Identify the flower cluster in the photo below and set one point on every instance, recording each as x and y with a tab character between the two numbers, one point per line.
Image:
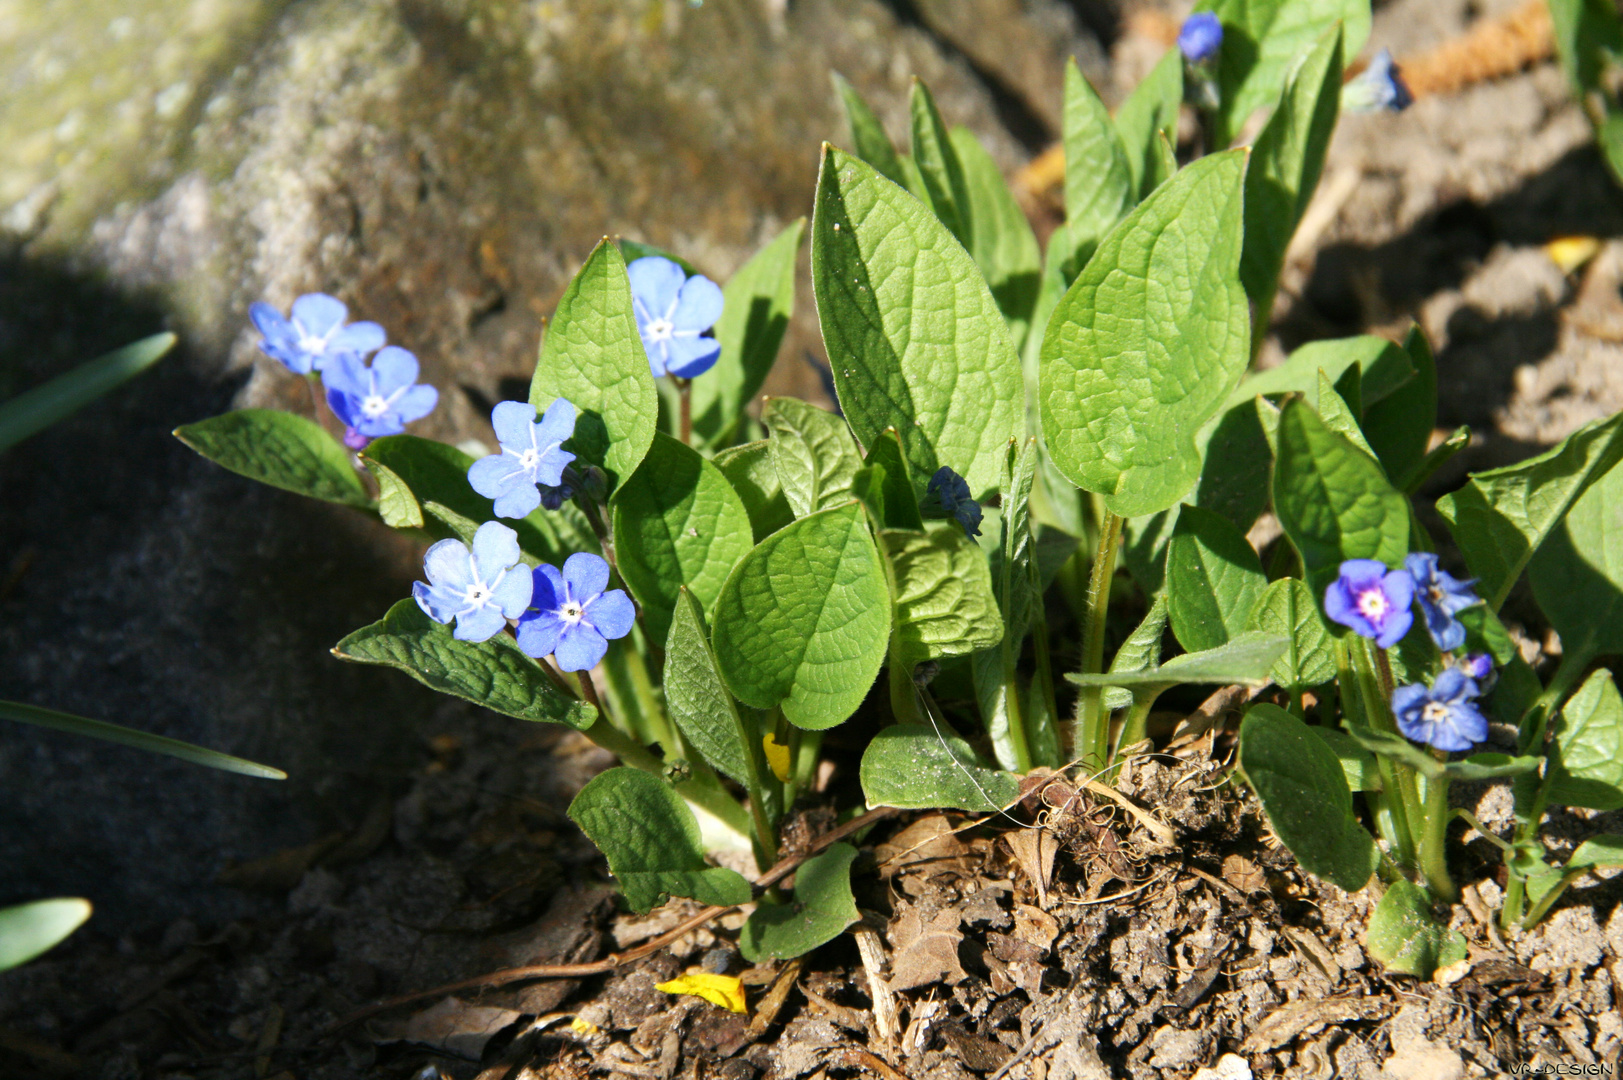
1380	86
1200	37
1443	716
372	400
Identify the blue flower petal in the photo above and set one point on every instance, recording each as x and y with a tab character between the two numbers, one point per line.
318	313
538	633
688	357
392	369
518	502
549	588
479	625
659	355
360	337
655	283
495	475
1200	37
347	374
433	602
579	648
586	574
447	564
512	420
416	403
513	592
698	305
612	614
557	424
495	548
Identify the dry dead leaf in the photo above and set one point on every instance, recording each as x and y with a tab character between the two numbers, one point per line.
1297	1018
924	952
1034	851
1035	926
1244	874
929	840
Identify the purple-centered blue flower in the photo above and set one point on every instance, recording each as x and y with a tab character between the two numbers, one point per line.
1379	86
1443	716
314	335
571	616
1442	596
378	400
1477	666
530	468
672	311
481	589
1372	600
1200	37
948	496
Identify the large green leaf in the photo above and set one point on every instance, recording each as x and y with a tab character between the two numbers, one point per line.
1285	164
813	453
1099	187
1385	368
868	136
914	337
141	740
29	930
915	767
758	303
1405	936
896	481
1502	516
1245	659
1001	241
1214	579
750	470
678	524
491	673
1577	574
1399	426
1300	783
821	910
37	409
698	700
1234	477
651	840
1149	342
279	449
1149	115
593	356
804	620
1333	500
1262	41
946	191
1586	758
1288	608
945	606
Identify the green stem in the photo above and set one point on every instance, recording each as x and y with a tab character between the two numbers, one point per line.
1537	718
1398	781
710	797
1095	733
903	691
1434	838
1041	737
685	413
1135	728
1510	912
633	693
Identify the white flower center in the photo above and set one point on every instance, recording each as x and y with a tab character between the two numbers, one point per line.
374	405
1434	712
529	458
478	594
571	612
660	329
1373	605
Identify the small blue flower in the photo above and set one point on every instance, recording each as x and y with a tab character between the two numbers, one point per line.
1443	716
948	496
378	400
1372	600
314	335
1200	37
672	310
1477	666
1380	86
480	589
1442	596
571	616
529	470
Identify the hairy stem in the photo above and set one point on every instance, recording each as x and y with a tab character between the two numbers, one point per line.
1094	749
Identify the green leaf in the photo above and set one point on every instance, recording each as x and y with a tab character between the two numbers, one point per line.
1502	516
1149	113
1286	161
1405	936
279	449
750	470
1577	574
1435	458
1598	852
1144	548
698	700
1002	243
30	930
900	496
1234	479
141	740
1149	342
1385	366
945	606
1245	660
821	910
1287	607
1333	500
1586	757
1589	40
1214	579
1337	413
678	524
803	621
1140	652
868	136
35	410
1484	766
1262	40
758	303
1301	784
1357	764
813	453
651	840
491	673
914	337
914	767
632	250
1099	179
592	355
1399	426
946	190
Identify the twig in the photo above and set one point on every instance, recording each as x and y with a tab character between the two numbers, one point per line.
783	869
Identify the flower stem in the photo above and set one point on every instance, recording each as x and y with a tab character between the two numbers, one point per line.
1434	837
685	411
1095	749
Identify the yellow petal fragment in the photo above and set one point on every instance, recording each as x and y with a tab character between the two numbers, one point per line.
777	757
1571	252
583	1027
723	990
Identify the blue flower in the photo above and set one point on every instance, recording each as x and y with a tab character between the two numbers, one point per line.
1477	666
1442	596
1380	86
1443	716
480	589
378	400
948	496
672	310
530	468
1200	37
1371	599
314	335
571	616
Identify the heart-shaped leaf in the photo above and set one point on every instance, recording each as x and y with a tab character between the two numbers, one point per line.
823	906
1405	936
279	449
915	767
